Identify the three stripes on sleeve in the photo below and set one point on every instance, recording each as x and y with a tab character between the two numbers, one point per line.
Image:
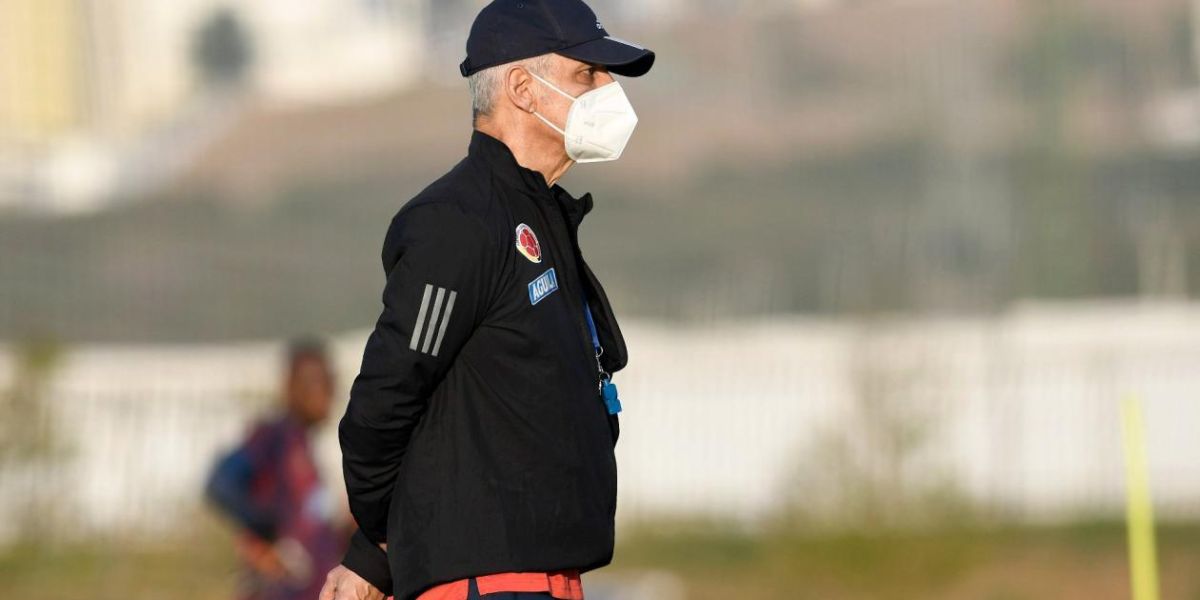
435	327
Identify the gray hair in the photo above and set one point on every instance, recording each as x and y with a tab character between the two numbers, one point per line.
485	84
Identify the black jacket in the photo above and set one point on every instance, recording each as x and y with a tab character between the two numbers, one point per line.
476	440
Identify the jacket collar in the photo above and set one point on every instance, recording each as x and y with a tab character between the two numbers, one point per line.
503	165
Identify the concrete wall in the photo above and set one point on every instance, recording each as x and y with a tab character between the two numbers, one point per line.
1018	415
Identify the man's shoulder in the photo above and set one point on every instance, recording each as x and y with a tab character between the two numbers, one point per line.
459	205
463	197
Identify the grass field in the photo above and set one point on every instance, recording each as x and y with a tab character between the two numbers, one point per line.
1064	563
1084	561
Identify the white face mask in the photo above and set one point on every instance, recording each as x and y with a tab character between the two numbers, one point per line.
599	123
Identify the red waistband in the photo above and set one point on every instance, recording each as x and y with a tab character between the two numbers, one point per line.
564	585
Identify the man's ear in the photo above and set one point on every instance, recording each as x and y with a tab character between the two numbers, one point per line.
518	88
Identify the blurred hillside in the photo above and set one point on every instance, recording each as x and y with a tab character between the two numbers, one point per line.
857	158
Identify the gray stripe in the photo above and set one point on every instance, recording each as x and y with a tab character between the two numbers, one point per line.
412	345
437	308
445	320
626	42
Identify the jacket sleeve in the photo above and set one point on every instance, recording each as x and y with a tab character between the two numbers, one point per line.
439	285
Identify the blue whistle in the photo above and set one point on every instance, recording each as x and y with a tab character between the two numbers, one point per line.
609	390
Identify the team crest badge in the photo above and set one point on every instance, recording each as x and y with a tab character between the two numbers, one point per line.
527	244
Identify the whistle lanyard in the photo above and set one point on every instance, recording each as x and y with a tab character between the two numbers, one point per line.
608	389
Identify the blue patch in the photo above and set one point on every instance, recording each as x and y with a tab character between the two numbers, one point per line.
544	285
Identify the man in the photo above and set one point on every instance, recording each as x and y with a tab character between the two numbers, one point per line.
478	442
270	487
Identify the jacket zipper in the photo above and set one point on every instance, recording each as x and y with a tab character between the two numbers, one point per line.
576	297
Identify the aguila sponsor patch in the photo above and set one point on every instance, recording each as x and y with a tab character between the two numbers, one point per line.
527	244
544	285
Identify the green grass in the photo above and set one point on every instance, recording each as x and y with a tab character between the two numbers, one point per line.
1079	561
193	570
1084	561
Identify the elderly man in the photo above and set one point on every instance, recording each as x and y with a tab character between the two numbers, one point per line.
478	442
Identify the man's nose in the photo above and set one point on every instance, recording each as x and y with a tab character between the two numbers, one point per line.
603	78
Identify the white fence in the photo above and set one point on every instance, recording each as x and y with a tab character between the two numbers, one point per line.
1015	415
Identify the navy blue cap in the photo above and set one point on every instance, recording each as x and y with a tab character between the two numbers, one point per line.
510	30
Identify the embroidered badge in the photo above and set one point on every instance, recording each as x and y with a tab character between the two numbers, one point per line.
527	244
543	286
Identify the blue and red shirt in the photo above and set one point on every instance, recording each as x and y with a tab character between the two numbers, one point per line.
271	487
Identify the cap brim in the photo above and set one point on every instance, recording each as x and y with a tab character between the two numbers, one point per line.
621	57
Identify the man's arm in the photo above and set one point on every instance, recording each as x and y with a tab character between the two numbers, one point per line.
228	487
439	284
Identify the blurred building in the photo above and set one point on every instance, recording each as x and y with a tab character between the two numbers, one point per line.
331	50
40	91
104	99
90	87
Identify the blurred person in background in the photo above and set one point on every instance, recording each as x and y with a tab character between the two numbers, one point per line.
478	441
269	486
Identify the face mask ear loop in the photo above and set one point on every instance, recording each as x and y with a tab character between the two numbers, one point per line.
555	88
552	86
547	121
